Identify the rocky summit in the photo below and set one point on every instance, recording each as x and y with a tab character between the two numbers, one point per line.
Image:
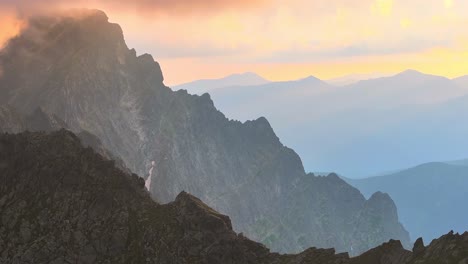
61	202
77	67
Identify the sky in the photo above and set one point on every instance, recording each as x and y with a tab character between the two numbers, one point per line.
280	39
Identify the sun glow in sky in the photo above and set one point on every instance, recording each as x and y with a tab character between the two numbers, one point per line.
282	40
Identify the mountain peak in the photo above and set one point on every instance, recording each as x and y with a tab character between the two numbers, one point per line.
415	74
310	79
245	77
237	79
410	73
380	196
81	42
86	13
78	31
246	74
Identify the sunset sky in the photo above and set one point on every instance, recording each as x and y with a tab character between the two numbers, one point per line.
279	39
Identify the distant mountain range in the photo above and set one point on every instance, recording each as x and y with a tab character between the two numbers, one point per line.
431	198
462	81
203	86
363	128
354	78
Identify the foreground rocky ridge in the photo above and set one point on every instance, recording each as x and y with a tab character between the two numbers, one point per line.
78	68
63	203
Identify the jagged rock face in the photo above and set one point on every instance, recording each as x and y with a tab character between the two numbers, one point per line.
79	68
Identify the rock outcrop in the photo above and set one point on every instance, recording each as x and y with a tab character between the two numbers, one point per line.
419	247
77	67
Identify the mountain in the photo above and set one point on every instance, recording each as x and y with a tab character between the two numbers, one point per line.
354	78
408	87
462	81
63	203
77	67
430	198
281	98
326	124
462	162
203	86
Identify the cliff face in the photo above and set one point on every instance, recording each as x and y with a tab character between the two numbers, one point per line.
77	67
63	203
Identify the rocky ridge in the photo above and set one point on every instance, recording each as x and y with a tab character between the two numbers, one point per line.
61	202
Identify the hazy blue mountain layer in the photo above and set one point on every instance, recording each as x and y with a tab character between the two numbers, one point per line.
430	198
203	86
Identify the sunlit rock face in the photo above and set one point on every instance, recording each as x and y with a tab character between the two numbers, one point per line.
79	69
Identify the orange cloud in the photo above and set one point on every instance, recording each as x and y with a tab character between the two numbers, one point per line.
11	26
